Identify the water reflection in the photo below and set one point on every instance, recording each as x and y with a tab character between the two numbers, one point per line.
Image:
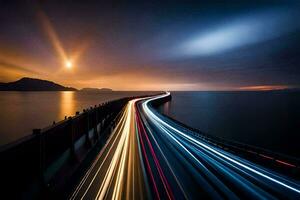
166	108
20	112
67	104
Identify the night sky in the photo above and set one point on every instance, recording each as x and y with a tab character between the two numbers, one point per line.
209	45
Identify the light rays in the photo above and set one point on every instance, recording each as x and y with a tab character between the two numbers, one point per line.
52	36
69	60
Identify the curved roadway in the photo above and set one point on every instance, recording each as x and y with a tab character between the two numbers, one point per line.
148	156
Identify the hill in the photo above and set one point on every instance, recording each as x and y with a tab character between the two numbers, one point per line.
32	84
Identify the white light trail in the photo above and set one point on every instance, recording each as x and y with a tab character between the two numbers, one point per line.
156	118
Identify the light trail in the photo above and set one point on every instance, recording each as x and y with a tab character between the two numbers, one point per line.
167	128
157	163
115	174
112	139
149	156
167	162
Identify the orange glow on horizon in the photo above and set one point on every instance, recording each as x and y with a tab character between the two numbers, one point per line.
264	87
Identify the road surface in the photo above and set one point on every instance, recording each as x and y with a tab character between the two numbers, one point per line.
149	156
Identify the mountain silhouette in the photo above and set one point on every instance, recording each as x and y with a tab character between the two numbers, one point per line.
32	84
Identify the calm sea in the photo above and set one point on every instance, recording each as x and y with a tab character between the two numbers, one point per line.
266	119
20	112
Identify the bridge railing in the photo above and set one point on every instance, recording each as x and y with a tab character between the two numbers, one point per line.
26	160
282	163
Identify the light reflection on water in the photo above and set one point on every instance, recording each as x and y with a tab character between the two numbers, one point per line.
67	104
166	108
20	112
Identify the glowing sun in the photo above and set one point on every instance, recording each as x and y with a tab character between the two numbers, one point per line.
69	64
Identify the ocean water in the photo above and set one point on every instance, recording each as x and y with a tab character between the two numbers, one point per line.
20	112
269	120
266	119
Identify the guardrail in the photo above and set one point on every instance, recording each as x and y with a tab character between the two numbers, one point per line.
27	162
284	164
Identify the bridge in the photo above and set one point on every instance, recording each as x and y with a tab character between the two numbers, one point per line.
127	149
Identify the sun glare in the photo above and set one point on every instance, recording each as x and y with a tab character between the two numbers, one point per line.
69	64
